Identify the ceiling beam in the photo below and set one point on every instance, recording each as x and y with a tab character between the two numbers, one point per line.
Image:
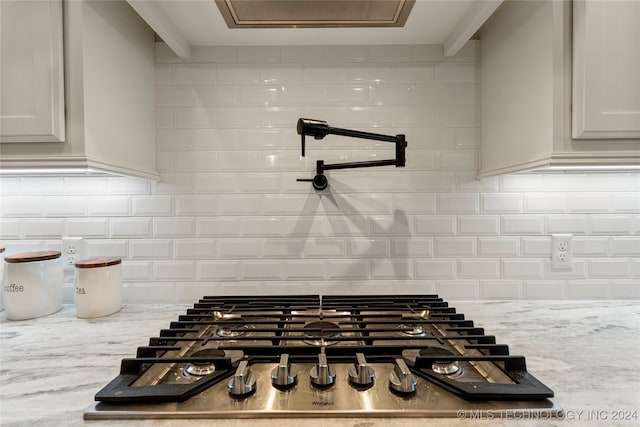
471	22
153	15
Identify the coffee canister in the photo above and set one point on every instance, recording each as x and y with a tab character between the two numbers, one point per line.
98	288
1	279
33	284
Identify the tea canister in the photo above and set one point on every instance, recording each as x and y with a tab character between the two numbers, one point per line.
33	284
98	287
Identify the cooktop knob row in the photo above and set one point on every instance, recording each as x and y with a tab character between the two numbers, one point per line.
284	375
360	373
322	374
243	381
401	380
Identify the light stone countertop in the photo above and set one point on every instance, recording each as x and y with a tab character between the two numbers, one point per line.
588	352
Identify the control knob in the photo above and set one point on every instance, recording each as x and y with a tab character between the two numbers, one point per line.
322	374
243	381
284	375
401	380
360	373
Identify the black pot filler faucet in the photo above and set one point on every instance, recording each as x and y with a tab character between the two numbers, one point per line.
319	129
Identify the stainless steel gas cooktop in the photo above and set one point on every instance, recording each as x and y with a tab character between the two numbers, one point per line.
309	356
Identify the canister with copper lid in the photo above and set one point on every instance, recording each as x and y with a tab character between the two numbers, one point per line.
33	284
1	279
98	287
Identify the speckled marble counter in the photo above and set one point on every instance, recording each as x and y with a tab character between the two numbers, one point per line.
586	351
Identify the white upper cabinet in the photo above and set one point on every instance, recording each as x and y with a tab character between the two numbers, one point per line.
526	78
31	72
109	93
606	69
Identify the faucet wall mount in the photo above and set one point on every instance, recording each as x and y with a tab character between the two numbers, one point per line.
319	129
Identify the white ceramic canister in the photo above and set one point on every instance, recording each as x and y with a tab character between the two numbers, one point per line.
98	290
33	284
2	279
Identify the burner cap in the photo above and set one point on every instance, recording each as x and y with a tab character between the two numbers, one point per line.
204	367
414	330
448	367
232	329
319	338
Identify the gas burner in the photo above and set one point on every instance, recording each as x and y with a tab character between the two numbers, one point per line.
319	338
415	330
449	367
232	329
202	368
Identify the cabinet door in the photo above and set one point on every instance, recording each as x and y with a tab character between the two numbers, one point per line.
606	69
31	71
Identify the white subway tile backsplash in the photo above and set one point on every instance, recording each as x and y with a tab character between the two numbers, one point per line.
587	290
612	224
282	248
498	246
460	203
501	203
87	227
478	268
42	228
44	186
173	227
625	202
585	246
10	228
261	270
174	270
502	289
574	224
200	248
218	270
543	289
434	269
368	248
412	247
347	269
130	227
537	246
30	206
229	217
152	205
304	270
146	248
451	72
545	202
478	225
434	225
609	268
458	289
137	270
522	224
239	248
588	202
625	246
325	248
196	205
391	269
194	74
521	268
109	206
455	247
95	248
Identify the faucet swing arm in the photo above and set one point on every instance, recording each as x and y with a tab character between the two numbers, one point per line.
319	129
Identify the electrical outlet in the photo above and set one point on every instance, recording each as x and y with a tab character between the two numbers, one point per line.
72	251
561	251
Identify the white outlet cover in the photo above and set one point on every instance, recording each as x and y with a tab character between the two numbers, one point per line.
561	251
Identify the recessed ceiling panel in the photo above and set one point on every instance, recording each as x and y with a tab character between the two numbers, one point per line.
314	13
